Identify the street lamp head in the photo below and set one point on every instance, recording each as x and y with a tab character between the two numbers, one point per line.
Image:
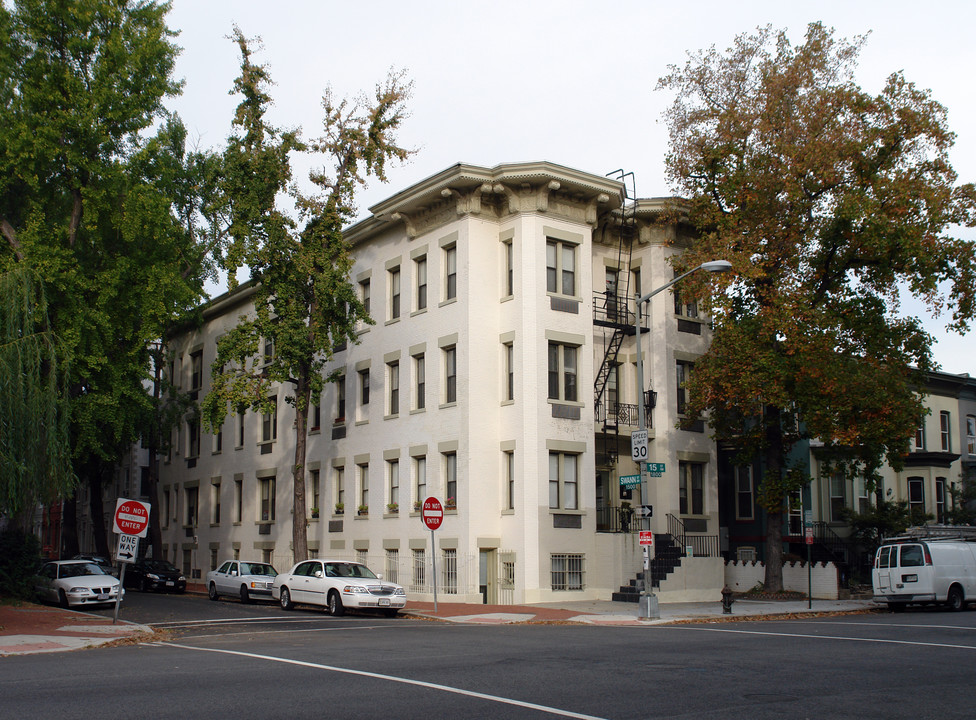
716	266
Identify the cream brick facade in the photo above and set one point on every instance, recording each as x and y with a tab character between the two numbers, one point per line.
473	219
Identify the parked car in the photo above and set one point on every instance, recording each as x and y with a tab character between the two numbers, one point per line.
149	575
103	562
71	583
337	585
248	580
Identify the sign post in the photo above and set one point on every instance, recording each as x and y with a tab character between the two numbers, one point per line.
131	522
433	515
808	533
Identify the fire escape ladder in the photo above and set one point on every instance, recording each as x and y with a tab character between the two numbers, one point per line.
612	309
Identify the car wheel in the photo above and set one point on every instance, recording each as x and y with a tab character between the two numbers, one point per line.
335	605
245	596
286	603
954	600
212	592
62	599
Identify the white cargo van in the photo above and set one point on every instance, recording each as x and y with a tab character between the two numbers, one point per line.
911	571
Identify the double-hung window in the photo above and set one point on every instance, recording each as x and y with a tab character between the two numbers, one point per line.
420	381
744	502
450	477
563	481
269	422
394	279
393	489
563	372
683	370
561	268
267	489
971	434
420	478
945	430
691	488
450	272
393	376
420	269
450	374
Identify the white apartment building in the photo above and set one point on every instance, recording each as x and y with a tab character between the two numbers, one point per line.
496	294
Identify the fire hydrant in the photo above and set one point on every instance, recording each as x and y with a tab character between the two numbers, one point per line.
727	601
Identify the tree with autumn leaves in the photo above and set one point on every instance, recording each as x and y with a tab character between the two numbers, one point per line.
830	203
304	304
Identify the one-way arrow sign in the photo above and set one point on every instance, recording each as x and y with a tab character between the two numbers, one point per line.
128	545
645	511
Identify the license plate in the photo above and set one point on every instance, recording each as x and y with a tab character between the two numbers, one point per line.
383	601
103	596
170	583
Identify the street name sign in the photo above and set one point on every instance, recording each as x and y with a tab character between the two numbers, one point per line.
655	469
629	480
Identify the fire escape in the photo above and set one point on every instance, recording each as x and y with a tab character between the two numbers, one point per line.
614	312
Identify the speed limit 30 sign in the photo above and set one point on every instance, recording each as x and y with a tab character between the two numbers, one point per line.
638	445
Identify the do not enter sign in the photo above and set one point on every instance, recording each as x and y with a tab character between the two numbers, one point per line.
432	513
131	517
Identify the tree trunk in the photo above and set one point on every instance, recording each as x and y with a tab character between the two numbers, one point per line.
773	477
155	529
774	552
69	528
97	508
299	525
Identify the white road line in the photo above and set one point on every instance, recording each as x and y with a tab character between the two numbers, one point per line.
895	625
391	678
824	637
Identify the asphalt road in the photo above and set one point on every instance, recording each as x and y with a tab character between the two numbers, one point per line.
255	661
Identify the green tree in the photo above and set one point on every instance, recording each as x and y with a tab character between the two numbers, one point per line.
827	201
304	304
95	191
884	520
35	458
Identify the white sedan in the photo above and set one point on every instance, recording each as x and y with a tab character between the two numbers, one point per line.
76	582
337	585
248	580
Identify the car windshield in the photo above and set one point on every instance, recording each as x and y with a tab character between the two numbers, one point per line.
353	570
257	569
161	565
80	568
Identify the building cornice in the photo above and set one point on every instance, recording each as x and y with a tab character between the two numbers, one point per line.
516	187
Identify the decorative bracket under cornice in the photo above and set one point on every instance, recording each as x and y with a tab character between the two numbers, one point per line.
593	206
470	203
407	222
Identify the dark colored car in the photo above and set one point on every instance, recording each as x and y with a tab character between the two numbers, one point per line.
103	562
155	575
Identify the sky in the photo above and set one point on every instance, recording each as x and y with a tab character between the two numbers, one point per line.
570	82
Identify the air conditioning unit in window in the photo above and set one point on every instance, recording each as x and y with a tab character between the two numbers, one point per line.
745	554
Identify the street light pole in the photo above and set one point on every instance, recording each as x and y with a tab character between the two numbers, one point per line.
648	604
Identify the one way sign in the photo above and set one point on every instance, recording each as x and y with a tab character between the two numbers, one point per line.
645	511
128	545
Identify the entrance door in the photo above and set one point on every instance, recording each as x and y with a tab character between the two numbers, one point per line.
488	575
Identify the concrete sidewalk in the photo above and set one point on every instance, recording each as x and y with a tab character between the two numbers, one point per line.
26	628
605	612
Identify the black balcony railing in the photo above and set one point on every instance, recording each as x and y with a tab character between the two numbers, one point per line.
614	310
616	414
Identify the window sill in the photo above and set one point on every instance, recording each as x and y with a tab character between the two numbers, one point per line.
449	301
394	416
506	298
392	321
568	403
507	402
418	411
443	406
562	511
362	422
421	311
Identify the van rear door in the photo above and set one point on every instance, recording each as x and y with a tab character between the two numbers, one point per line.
882	571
